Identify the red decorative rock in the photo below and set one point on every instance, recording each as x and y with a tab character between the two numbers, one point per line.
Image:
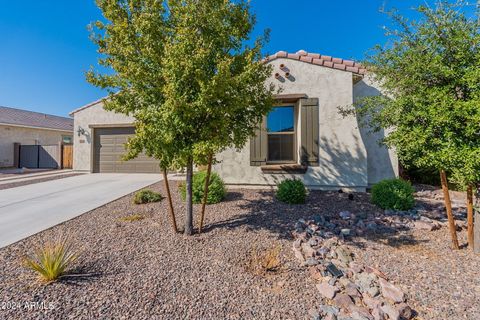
390	292
315	273
391	312
377	272
327	290
378	314
404	310
343	301
371	302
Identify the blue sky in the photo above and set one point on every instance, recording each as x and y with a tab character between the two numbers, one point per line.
45	49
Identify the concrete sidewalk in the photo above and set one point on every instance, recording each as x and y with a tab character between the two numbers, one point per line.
29	209
34	176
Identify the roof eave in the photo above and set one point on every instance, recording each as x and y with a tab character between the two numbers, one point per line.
34	127
87	106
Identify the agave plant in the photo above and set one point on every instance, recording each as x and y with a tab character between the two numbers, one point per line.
52	260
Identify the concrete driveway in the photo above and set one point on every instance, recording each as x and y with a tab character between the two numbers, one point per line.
30	209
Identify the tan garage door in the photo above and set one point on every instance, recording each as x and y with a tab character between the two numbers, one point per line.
109	148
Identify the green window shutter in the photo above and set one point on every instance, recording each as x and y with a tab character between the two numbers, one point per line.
258	146
310	132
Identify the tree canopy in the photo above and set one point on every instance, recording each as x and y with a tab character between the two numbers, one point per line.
185	71
429	73
430	76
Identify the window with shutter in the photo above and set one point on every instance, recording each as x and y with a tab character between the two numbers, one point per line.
276	141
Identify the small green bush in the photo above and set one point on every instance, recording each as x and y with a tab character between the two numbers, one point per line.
291	191
396	194
146	196
216	188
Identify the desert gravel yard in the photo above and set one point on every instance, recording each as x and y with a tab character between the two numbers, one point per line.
141	270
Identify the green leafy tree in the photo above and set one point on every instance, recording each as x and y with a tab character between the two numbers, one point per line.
430	75
183	70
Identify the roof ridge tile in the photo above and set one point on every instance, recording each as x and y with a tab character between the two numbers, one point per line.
321	60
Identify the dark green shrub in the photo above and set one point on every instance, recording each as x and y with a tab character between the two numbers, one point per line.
291	191
396	194
146	196
216	188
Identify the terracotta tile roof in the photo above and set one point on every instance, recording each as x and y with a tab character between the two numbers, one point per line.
26	118
320	60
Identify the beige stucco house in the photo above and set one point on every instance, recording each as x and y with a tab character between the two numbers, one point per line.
304	136
24	127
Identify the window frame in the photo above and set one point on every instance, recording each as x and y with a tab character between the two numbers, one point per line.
294	133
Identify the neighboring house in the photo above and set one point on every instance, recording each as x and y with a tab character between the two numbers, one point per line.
30	128
304	136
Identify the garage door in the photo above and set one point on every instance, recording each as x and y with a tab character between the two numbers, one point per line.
109	148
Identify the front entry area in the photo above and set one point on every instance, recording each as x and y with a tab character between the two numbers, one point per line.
109	148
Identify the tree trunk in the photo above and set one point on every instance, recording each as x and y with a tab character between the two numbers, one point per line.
205	193
170	204
189	213
448	206
476	235
470	216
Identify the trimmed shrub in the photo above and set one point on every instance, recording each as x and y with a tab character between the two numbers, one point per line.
146	196
396	194
291	191
216	188
52	260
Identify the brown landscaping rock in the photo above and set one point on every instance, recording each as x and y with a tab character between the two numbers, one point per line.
344	255
404	311
326	290
298	254
326	309
370	302
392	313
330	316
356	268
315	273
367	282
425	225
390	292
361	313
352	291
297	243
342	300
375	271
307	250
378	314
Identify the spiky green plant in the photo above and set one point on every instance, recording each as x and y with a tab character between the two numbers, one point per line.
52	260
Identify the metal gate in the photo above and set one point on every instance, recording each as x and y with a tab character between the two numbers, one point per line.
36	156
